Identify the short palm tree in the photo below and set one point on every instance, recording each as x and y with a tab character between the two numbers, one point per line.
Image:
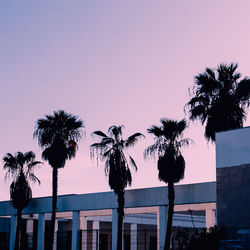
111	150
58	135
171	164
21	168
219	99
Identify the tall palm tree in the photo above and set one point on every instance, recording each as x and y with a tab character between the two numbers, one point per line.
58	135
21	168
111	150
219	99
171	164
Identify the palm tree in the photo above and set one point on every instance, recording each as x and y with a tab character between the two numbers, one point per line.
21	168
171	164
58	135
111	150
219	99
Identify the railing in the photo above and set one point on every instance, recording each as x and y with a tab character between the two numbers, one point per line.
145	239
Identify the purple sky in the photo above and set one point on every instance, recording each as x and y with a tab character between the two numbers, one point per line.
112	62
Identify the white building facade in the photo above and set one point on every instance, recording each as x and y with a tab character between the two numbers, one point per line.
148	207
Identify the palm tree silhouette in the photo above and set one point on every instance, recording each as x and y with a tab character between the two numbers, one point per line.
171	164
219	99
111	150
58	135
21	168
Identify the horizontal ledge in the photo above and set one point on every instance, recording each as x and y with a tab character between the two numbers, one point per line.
135	198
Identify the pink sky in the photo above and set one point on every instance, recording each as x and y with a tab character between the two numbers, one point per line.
112	62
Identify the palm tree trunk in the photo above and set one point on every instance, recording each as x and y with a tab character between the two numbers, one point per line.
54	203
171	197
18	229
120	211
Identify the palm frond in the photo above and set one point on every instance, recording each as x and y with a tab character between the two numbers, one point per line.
133	163
155	130
9	162
107	153
116	132
34	179
181	126
198	112
152	150
99	133
31	165
184	142
131	140
210	73
106	168
243	91
100	146
29	156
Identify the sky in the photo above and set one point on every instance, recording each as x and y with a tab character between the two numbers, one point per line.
112	63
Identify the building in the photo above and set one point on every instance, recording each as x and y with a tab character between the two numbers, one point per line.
89	221
92	214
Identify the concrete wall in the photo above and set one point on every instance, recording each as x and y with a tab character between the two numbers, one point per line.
232	147
233	193
233	179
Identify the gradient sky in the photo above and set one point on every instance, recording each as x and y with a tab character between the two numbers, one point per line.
112	62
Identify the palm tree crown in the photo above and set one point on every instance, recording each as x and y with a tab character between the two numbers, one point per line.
21	168
219	99
58	135
168	141
111	149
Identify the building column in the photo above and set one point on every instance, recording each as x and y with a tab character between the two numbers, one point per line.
83	227
55	235
133	236
95	239
13	223
75	230
114	228
210	218
29	226
162	226
29	231
41	232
